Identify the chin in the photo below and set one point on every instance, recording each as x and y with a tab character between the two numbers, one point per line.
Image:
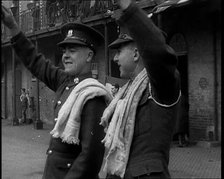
67	71
124	76
70	72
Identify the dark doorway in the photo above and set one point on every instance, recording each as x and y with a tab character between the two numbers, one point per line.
182	66
182	124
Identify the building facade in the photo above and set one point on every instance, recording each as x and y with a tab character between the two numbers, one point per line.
192	29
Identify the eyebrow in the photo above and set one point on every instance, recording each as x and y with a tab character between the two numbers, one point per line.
72	46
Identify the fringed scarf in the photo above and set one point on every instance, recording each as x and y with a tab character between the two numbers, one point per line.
68	122
119	133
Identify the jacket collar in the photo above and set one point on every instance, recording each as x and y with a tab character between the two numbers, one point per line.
144	97
74	80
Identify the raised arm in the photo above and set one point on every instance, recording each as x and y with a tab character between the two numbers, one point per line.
159	59
27	52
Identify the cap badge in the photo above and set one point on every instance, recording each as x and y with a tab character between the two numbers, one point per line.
70	33
76	80
124	36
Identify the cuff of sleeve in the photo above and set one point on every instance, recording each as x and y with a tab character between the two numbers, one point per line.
17	37
128	13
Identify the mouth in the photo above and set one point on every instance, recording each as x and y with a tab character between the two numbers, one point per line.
67	63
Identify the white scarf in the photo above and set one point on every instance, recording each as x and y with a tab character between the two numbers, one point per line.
68	122
119	134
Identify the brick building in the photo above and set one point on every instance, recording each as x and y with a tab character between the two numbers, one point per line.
193	29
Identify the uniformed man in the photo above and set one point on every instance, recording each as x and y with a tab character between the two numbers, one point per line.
75	150
24	105
142	115
115	89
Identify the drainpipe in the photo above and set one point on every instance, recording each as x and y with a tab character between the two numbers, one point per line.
5	88
215	76
38	124
15	121
106	51
6	82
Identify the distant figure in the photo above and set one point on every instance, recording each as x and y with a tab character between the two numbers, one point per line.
29	118
115	89
24	104
182	122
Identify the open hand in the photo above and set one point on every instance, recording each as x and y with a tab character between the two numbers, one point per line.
123	4
8	19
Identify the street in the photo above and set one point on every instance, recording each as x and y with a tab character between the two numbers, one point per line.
24	154
23	151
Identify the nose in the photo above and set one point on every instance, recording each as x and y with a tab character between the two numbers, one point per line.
116	57
66	53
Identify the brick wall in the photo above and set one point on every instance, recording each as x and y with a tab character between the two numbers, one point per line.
219	82
101	61
46	104
47	96
201	31
201	77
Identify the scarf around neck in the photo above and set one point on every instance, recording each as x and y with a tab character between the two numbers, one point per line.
68	122
119	132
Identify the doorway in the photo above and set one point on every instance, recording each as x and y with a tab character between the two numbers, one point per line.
178	43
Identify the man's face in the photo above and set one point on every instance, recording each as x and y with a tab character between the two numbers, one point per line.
125	60
114	90
74	59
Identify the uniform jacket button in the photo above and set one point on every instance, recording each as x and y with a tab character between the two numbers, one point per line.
67	88
59	102
50	152
76	80
68	165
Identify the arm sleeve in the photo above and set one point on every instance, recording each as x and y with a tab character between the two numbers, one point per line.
28	99
159	59
36	63
89	161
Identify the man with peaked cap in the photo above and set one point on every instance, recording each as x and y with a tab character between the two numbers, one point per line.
140	120
75	150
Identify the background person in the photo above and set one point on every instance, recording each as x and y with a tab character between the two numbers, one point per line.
24	105
143	114
115	89
75	149
182	125
29	112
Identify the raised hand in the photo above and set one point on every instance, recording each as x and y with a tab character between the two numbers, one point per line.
9	21
123	4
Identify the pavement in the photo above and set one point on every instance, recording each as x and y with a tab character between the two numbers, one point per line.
24	154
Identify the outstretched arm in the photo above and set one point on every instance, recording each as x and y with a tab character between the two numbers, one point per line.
35	62
9	21
159	58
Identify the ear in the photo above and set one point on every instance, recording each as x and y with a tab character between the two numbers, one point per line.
136	55
90	56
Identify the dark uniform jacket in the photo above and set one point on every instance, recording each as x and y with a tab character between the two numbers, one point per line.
155	122
24	101
67	161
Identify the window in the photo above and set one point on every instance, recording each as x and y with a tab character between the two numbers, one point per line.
114	68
